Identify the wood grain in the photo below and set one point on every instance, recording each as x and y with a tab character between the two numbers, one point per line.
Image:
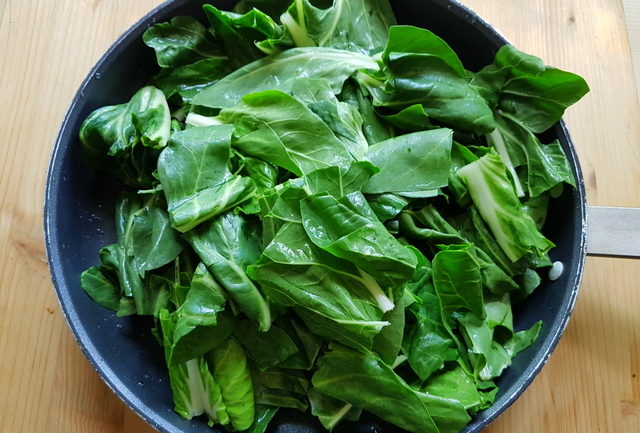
592	382
632	15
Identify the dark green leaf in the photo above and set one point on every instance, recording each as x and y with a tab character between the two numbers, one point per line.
180	42
520	84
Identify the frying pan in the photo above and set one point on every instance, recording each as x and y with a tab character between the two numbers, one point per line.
79	218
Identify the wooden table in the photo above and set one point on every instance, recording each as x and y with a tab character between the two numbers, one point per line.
592	382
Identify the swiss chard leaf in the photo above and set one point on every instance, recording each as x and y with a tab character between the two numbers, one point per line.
494	197
279	129
102	286
534	94
410	39
188	80
329	294
363	380
333	181
228	245
355	25
458	282
545	165
456	385
427	343
348	228
195	392
425	71
231	372
388	342
490	357
343	119
145	242
283	388
196	179
429	225
330	412
279	71
266	349
411	163
181	41
239	34
374	128
273	8
125	138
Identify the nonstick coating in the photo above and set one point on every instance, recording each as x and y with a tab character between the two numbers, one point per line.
79	221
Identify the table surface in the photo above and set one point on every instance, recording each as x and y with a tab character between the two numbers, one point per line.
591	383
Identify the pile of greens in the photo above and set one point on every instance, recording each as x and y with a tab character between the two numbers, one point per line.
327	212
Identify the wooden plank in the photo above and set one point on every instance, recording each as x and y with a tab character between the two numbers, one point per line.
632	16
47	48
591	383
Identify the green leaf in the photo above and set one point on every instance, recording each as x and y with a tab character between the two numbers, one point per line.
195	392
153	242
422	69
101	286
189	80
330	411
410	39
534	94
455	385
231	372
429	225
348	229
363	380
458	282
329	294
192	339
355	25
181	41
332	180
279	71
411	163
124	138
199	326
266	349
227	245
490	356
413	119
283	388
374	128
388	342
427	343
273	8
263	417
387	206
546	164
129	260
196	179
343	119
495	199
277	128
239	34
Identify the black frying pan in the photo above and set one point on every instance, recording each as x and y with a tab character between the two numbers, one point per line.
79	221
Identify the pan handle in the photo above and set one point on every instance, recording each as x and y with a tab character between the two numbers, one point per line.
613	231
